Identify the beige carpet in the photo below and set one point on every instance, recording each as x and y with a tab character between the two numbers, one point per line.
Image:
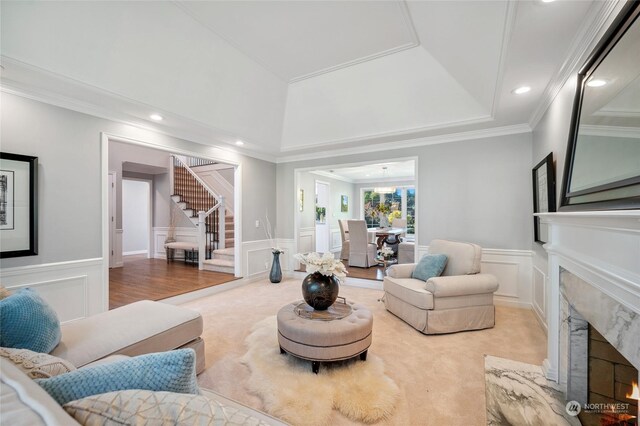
441	378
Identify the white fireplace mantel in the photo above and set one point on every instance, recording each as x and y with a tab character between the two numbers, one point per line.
603	249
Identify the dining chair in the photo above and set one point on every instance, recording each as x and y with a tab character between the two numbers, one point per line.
344	234
400	223
362	253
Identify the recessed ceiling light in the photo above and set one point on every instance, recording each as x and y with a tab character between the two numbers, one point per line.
596	82
239	143
548	1
521	90
156	117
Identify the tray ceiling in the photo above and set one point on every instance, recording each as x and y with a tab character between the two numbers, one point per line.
294	77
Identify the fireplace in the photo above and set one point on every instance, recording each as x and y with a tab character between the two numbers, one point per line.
598	376
593	314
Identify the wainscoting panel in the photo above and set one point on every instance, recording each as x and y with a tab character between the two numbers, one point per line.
74	289
256	258
512	268
287	261
182	234
539	295
336	240
307	240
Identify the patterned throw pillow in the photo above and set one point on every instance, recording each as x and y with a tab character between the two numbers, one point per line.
37	365
431	265
173	371
155	408
28	322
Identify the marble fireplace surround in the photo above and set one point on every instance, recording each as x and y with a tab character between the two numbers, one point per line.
594	276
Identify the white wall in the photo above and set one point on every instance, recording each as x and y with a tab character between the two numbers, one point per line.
136	215
68	145
460	185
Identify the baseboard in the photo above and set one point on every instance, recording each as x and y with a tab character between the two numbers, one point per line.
209	291
511	302
135	252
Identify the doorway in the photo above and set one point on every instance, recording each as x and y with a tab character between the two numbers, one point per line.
136	217
322	217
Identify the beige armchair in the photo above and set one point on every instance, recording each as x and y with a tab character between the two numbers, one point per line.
344	234
362	253
460	299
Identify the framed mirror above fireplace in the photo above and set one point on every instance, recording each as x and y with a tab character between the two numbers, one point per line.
602	169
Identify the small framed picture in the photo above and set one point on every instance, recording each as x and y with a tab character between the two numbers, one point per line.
344	203
544	196
301	199
18	205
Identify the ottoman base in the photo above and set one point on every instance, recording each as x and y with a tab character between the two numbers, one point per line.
325	341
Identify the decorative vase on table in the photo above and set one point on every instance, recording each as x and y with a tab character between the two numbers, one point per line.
275	276
320	291
320	288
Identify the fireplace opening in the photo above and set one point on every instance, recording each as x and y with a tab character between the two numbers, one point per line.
611	380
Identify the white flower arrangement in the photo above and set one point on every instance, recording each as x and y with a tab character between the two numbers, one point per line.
386	251
325	264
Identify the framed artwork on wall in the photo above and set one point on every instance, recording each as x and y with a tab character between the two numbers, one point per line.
344	203
18	205
301	199
544	195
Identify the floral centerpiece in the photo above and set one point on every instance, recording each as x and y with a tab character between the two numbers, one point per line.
321	287
386	252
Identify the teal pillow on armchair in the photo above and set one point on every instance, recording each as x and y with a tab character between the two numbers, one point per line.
28	322
431	265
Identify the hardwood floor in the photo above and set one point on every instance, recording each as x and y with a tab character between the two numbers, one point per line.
155	279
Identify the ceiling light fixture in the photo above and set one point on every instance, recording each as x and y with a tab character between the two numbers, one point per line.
384	190
521	90
597	82
156	117
548	1
239	143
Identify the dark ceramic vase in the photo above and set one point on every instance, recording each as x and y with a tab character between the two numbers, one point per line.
276	272
320	291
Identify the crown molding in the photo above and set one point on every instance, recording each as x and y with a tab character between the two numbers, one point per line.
393	134
593	27
413	35
410	143
507	32
204	135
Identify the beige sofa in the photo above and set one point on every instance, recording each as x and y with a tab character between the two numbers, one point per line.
460	299
24	403
135	329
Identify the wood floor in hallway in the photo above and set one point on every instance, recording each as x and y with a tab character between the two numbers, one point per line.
155	279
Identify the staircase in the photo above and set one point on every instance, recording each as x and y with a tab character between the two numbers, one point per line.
191	195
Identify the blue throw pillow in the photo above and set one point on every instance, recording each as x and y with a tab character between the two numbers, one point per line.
28	322
431	265
173	371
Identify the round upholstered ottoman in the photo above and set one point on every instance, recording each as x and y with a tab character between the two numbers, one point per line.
325	340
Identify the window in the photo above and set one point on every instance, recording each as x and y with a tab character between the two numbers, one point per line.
398	202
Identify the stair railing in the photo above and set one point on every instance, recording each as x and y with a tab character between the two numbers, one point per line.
210	221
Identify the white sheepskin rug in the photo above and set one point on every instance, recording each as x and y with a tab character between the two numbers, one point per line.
289	390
